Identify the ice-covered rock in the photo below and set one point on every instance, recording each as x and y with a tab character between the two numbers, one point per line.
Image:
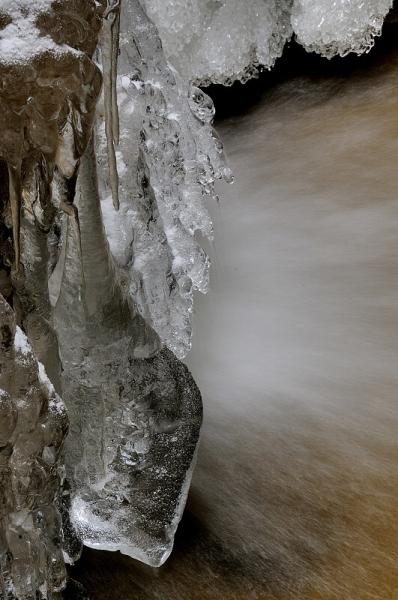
33	425
48	97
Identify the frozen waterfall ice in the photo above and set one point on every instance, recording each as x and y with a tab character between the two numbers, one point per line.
168	160
102	311
135	411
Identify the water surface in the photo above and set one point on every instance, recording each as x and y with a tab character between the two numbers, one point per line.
296	491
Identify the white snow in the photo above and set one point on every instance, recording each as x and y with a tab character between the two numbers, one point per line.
21	343
21	40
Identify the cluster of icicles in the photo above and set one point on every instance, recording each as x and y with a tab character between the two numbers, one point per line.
226	40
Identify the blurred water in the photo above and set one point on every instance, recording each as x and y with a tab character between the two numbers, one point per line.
295	350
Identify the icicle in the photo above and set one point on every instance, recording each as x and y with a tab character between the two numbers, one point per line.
110	51
115	54
14	175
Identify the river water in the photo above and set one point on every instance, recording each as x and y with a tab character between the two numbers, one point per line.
295	495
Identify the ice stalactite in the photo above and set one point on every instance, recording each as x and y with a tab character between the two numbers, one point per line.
15	195
109	52
135	411
227	40
167	139
33	426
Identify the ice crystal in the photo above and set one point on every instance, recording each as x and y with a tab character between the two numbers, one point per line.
222	40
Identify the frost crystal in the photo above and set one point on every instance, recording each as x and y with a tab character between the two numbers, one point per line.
222	41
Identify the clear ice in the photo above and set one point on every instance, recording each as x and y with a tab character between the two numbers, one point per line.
135	411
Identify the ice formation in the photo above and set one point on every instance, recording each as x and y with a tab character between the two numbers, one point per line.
168	160
220	41
119	305
344	27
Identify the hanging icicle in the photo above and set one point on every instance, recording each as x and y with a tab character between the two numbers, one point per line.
110	52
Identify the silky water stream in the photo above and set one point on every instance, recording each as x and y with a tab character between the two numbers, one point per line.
295	495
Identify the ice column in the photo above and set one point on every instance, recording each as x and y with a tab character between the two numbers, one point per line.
135	411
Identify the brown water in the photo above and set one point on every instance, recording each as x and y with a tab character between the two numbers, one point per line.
296	491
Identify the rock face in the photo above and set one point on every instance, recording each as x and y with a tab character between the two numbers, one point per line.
47	107
33	426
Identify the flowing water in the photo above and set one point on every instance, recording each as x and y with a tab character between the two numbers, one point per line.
296	491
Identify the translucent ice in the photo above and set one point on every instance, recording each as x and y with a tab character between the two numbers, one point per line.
168	160
222	40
